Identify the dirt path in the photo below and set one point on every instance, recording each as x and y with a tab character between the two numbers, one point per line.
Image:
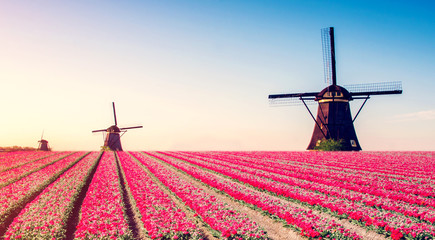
203	229
74	219
278	227
133	219
13	211
274	229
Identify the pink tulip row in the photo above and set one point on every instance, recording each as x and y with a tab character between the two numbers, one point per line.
390	204
374	194
382	199
230	223
14	196
418	190
407	162
358	162
46	216
161	217
101	214
306	222
353	210
413	168
353	180
7	177
4	156
16	159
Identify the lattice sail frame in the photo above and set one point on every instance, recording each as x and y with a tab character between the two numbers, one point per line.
381	88
327	58
296	101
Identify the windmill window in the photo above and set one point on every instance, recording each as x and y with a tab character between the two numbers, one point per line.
352	143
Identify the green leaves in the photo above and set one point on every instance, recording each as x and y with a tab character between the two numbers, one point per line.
330	145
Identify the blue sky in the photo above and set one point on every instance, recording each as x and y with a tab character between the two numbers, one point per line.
197	74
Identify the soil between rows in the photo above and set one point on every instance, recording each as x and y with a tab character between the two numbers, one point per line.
74	219
274	229
133	219
278	227
189	213
20	205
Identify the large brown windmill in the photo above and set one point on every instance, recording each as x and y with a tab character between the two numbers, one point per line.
334	119
113	136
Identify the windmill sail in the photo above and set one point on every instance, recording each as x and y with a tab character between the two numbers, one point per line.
125	128
367	89
293	95
328	47
114	113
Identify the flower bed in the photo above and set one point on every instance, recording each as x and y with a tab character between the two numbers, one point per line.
16	159
47	215
161	217
368	195
102	215
14	196
12	175
223	218
387	222
306	222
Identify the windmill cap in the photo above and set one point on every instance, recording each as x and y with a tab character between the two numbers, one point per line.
113	128
334	91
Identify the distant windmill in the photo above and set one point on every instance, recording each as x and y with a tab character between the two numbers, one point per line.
334	120
113	137
43	144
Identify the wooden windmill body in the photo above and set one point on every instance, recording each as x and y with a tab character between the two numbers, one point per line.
43	145
113	134
334	119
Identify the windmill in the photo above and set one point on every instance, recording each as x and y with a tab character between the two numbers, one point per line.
43	144
113	136
334	119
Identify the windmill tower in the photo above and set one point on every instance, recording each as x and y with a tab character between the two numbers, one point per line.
334	119
43	144
113	136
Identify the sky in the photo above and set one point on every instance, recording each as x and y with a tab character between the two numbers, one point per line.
197	73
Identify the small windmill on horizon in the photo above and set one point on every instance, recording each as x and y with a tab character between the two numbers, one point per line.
113	136
43	144
334	119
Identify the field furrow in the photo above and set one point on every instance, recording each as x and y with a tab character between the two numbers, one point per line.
230	195
16	195
386	222
354	180
102	212
376	197
303	221
15	174
47	215
227	221
159	215
16	159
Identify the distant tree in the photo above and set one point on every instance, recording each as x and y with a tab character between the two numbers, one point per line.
330	145
16	148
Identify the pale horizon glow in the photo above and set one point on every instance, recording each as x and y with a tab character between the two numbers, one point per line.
196	74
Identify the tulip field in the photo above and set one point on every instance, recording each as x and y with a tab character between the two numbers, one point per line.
217	195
